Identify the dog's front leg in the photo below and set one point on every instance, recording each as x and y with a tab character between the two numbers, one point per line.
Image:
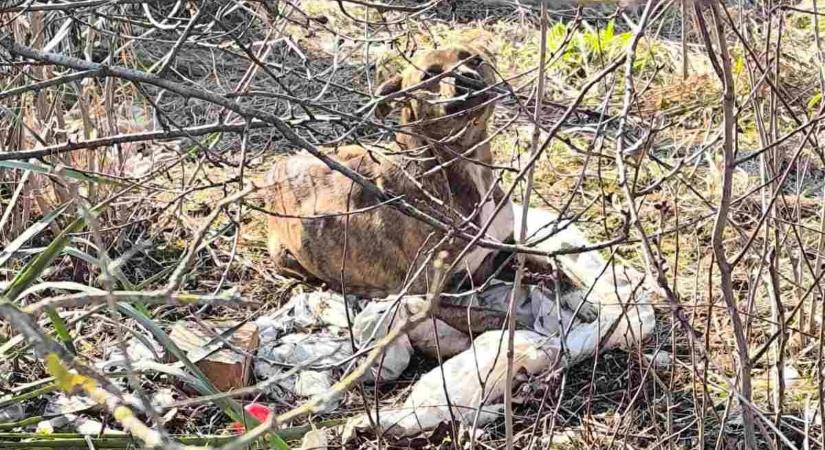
546	232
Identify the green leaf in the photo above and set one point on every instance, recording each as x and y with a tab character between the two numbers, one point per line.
61	329
739	64
35	268
29	233
67	172
815	100
277	443
609	32
32	271
89	259
60	286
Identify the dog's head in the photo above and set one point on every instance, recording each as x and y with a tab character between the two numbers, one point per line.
444	91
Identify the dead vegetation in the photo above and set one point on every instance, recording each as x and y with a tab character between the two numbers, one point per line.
133	135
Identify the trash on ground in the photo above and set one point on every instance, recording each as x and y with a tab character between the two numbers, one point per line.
222	350
426	405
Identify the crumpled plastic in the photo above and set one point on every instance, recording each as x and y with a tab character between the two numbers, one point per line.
308	310
373	323
461	376
318	356
310	333
144	349
470	385
377	318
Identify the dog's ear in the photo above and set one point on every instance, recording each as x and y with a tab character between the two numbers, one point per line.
386	88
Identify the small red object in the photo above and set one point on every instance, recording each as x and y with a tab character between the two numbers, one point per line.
256	410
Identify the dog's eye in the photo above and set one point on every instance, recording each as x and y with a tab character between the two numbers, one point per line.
463	54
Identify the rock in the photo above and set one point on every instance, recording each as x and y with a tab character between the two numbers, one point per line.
225	367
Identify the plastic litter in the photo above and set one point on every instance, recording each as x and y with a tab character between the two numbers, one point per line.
475	378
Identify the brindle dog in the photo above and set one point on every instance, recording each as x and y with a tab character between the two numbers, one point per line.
440	162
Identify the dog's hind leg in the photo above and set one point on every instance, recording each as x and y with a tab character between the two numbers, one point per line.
285	262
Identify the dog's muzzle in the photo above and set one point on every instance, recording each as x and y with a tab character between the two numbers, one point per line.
471	91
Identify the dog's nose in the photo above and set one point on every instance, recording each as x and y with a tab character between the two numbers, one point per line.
469	73
469	79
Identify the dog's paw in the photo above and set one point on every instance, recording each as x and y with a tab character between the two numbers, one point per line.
589	311
586	310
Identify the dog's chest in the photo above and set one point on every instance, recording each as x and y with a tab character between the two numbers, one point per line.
490	194
501	224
